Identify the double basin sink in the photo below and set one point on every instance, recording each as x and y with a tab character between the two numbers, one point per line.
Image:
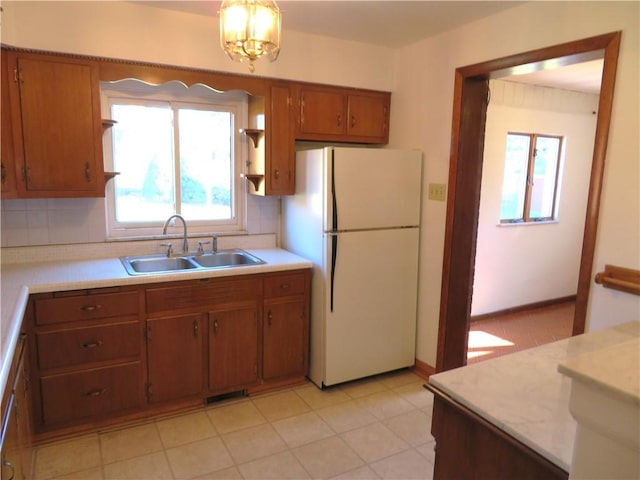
153	264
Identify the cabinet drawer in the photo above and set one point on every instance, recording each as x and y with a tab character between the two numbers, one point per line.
85	307
206	295
91	393
79	346
284	285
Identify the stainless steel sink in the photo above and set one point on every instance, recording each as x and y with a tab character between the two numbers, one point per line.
153	264
226	258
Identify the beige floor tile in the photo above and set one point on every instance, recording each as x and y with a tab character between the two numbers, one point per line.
385	404
225	474
129	443
283	465
281	405
302	429
362	473
62	458
428	450
346	416
94	473
328	458
253	443
185	429
413	427
362	388
416	394
400	378
405	465
317	398
151	466
199	458
234	417
374	442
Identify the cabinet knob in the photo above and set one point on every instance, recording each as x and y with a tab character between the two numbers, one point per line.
196	327
269	318
353	121
9	465
90	308
95	393
339	120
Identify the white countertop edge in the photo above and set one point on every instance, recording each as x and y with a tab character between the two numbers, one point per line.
27	281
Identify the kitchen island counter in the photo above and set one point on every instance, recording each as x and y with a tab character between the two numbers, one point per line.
525	396
19	280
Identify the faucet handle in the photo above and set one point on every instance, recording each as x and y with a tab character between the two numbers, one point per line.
200	247
214	246
169	248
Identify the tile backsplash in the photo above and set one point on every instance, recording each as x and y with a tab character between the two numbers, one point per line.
61	221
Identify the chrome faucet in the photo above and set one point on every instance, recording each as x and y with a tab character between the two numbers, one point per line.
185	243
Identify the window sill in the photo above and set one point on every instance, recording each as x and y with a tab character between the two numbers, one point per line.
527	224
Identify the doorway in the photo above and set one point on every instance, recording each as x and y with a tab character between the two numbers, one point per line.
465	176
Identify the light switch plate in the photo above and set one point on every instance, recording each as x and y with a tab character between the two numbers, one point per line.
438	192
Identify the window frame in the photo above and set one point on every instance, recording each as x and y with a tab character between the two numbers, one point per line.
525	217
176	94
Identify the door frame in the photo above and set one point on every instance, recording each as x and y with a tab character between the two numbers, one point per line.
465	177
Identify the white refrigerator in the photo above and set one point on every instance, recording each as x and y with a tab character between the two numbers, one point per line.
356	216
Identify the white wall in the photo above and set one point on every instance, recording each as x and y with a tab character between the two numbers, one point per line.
422	109
521	264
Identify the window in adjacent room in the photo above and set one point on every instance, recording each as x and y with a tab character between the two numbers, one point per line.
177	150
531	176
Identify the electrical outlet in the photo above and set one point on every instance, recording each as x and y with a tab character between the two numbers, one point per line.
438	192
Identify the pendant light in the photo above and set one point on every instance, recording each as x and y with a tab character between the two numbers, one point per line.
250	29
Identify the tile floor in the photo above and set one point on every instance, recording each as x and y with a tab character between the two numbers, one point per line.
377	428
508	333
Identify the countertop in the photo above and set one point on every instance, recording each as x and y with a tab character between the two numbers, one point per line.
526	396
18	280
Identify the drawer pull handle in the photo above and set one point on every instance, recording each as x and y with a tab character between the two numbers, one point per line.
284	286
91	344
95	393
270	318
90	308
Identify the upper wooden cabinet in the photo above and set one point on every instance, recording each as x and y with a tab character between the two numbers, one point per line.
7	165
342	115
280	169
57	129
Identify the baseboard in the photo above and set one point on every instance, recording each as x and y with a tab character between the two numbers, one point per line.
521	308
423	370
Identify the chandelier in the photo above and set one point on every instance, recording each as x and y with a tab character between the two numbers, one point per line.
250	29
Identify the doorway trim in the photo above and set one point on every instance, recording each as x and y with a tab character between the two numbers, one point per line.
465	177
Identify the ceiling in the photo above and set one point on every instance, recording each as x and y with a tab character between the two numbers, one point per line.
396	24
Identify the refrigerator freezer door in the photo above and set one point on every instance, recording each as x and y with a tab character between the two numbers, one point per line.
371	328
373	188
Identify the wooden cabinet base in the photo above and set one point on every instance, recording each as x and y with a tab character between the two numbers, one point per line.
469	447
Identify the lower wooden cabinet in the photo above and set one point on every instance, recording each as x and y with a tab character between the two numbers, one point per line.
127	352
17	452
90	393
175	353
233	348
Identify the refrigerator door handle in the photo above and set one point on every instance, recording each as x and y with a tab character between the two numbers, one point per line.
334	254
334	238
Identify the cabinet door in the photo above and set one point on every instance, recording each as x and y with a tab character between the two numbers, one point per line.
284	339
280	166
175	357
368	118
57	129
7	165
233	348
322	114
